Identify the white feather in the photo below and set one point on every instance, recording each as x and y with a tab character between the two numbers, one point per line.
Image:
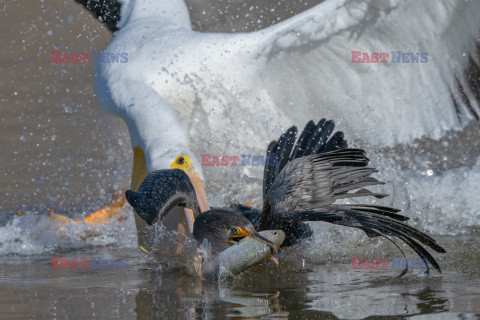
233	90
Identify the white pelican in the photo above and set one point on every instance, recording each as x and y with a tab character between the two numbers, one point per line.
234	89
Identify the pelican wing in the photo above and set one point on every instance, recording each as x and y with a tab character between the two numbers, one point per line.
297	69
308	66
308	187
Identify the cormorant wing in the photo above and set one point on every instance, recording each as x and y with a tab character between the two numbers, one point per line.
314	139
308	187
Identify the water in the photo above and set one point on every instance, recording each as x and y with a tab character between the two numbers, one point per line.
297	289
58	152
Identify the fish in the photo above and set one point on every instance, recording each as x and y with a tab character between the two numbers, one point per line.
241	256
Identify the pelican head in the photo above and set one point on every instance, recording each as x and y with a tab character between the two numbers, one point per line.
184	163
160	192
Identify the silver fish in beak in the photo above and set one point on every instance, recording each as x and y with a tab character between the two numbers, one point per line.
243	255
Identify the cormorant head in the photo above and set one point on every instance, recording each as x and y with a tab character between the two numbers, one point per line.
223	228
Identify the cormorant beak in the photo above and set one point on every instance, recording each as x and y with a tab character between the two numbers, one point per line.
242	233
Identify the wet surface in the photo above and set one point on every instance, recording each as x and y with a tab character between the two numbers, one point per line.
297	289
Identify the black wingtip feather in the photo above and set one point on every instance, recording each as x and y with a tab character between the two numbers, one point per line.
336	142
324	135
386	211
269	171
107	11
285	146
303	140
315	137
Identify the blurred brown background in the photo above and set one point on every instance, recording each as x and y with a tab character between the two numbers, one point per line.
58	150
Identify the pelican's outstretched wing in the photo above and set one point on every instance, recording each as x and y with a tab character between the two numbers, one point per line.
308	66
302	67
308	187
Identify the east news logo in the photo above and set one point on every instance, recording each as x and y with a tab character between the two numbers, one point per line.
396	57
244	160
86	263
396	263
94	56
